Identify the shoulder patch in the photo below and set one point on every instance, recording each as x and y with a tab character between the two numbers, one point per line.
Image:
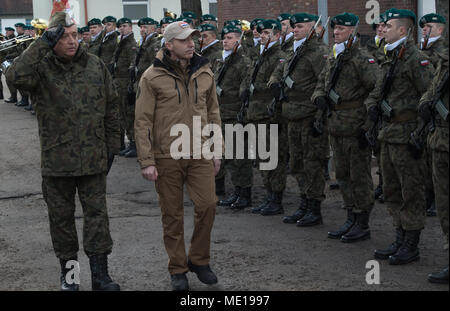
424	62
371	61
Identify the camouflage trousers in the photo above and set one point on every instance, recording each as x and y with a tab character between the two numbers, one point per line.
240	170
126	111
440	180
274	180
353	172
403	186
59	194
307	155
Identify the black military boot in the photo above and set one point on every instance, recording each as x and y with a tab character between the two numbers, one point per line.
274	207
99	274
313	216
394	247
430	205
348	224
409	251
440	277
204	273
132	153
267	199
12	99
232	198
244	200
1	94
220	186
360	230
298	213
334	186
179	282
23	102
66	286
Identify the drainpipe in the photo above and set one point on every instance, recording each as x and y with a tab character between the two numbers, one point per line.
85	12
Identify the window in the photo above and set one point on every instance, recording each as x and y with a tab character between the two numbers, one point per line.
136	9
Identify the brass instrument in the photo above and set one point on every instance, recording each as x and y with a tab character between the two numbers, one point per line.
245	25
39	24
170	14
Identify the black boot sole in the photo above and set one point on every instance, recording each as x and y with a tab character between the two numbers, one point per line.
272	213
381	256
363	238
311	224
290	221
395	262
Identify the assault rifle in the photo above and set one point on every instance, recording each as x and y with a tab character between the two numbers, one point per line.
426	39
384	108
334	77
258	64
287	80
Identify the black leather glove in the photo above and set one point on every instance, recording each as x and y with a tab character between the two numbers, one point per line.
132	74
276	90
322	103
373	113
416	153
51	36
244	95
110	162
425	111
362	140
316	128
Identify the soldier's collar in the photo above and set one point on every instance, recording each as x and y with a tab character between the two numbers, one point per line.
212	43
392	46
298	43
271	44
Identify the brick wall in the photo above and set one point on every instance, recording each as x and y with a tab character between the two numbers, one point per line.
250	9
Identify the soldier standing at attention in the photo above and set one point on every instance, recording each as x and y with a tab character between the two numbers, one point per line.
109	42
287	36
166	21
179	86
149	46
79	131
230	72
124	78
86	36
96	30
307	151
211	47
345	82
402	163
257	93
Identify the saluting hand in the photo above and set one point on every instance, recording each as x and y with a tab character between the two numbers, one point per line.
150	173
52	35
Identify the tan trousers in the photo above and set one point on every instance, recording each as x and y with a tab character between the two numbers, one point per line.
198	175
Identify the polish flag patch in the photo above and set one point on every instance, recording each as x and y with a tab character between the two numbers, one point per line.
424	62
325	56
372	61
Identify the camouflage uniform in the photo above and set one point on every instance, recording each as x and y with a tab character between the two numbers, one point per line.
307	152
213	53
438	144
376	49
286	46
149	49
403	173
94	45
107	47
77	111
124	60
350	152
436	48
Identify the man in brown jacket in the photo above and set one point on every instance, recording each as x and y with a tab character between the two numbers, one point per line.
179	91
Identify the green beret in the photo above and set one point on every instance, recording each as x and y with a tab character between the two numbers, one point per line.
147	21
208	17
233	22
94	21
283	17
9	29
19	25
60	18
378	21
432	18
207	27
302	18
255	22
184	19
28	27
268	24
79	30
344	19
167	20
188	14
229	29
109	19
397	14
124	20
84	29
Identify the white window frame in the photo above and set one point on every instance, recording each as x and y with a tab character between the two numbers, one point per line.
141	2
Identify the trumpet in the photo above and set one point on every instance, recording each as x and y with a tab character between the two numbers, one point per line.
12	43
40	25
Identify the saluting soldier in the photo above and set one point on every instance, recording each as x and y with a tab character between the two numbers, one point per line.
342	90
232	70
96	30
307	151
124	78
287	37
434	104
402	163
270	56
109	42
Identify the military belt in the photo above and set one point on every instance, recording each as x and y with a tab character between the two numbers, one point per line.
401	117
348	105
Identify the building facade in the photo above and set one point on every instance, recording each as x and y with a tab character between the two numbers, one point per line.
15	11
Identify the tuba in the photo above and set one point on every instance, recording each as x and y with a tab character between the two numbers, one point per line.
40	25
245	25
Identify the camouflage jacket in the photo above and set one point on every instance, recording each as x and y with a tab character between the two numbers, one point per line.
124	57
94	46
148	54
298	105
237	70
438	140
377	51
248	44
262	95
440	46
76	108
287	46
413	75
213	53
107	47
356	79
